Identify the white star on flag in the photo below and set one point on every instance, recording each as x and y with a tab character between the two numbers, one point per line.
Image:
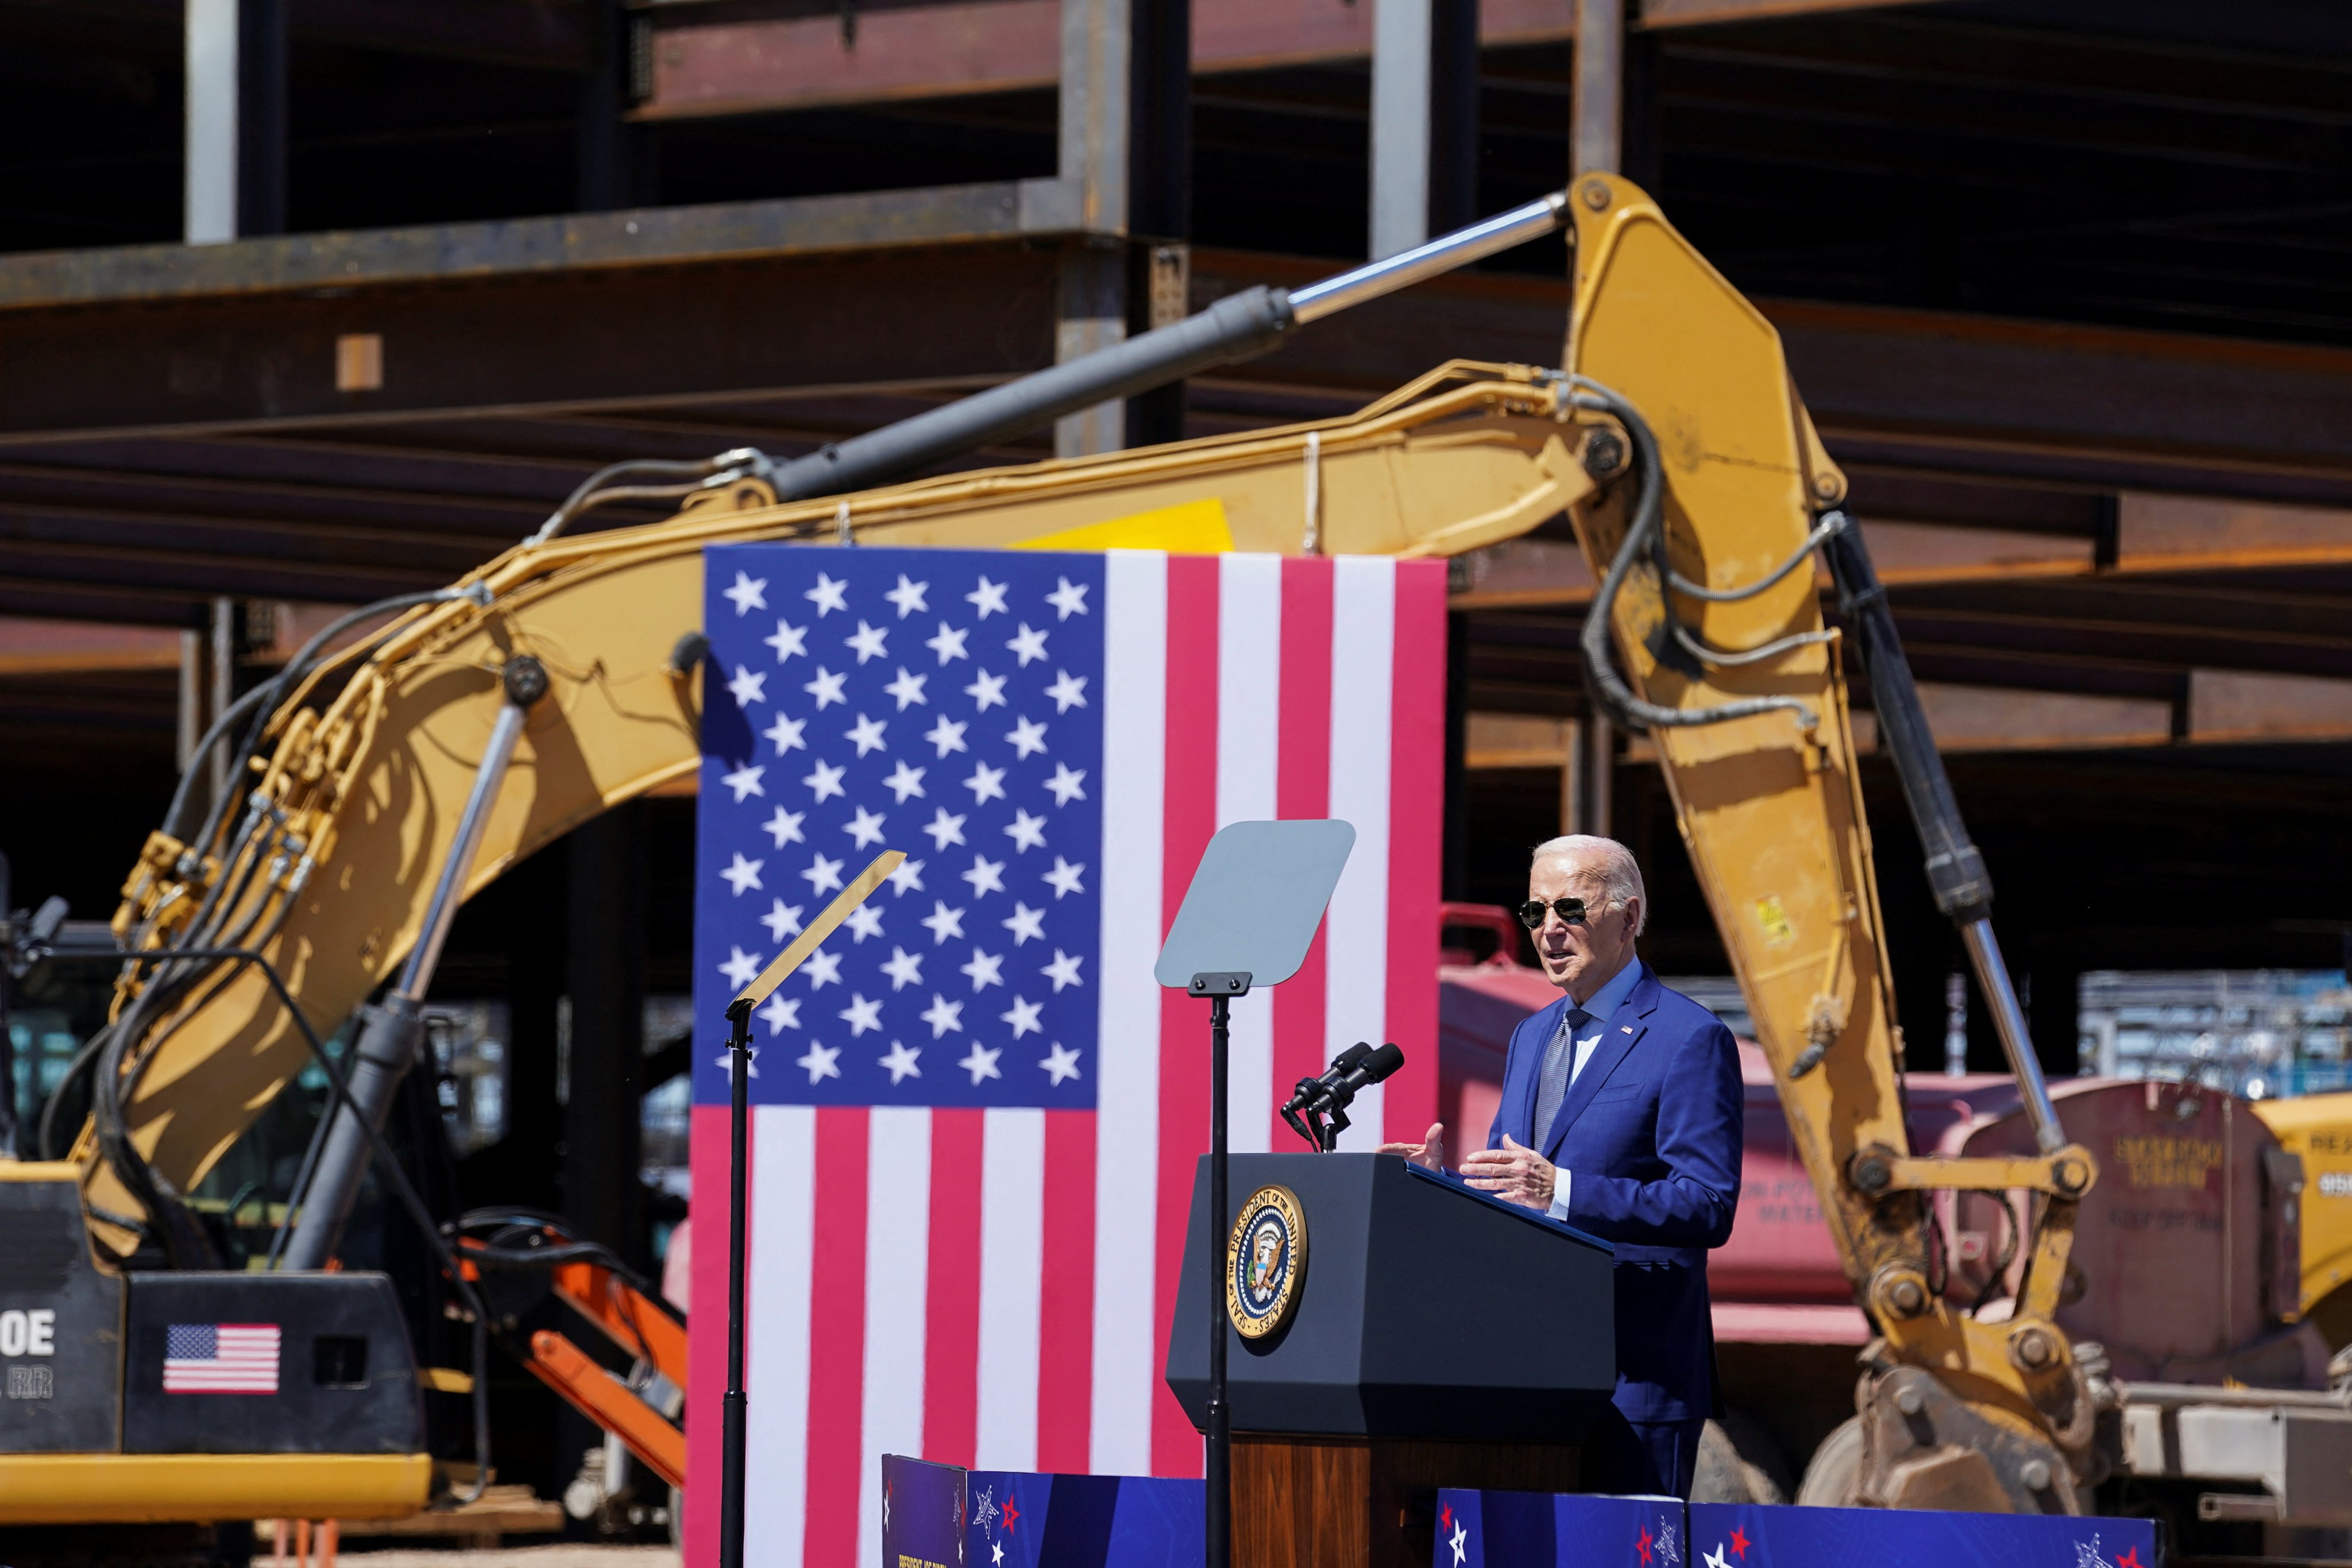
863	921
948	644
866	827
981	1062
866	642
945	830
1025	923
984	970
727	1060
1063	971
1064	877
986	690
1067	692
826	688
825	779
788	641
819	1062
749	686
986	784
823	969
745	782
943	922
782	1012
741	968
1455	1540
947	735
861	1014
1060	1063
827	596
1027	737
986	876
786	733
908	688
908	596
900	1061
742	875
865	734
784	827
823	876
1026	832
906	878
904	969
749	593
1070	598
942	1015
1028	645
903	780
1065	785
782	920
989	598
1024	1017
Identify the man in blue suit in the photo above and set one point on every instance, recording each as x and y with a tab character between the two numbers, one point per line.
1620	1115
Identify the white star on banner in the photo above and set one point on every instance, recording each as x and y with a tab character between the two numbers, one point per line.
823	876
903	780
948	644
866	642
782	1012
749	686
782	920
1064	877
745	782
1028	645
826	595
904	969
942	922
1027	737
1064	970
947	735
909	688
981	1062
901	1062
1714	1559
866	827
864	921
788	641
942	1015
1027	832
1024	1017
1060	1062
786	733
986	689
749	593
742	875
861	1014
1067	692
984	970
1461	1534
906	878
1065	785
986	784
823	969
741	968
819	1061
988	597
866	734
1025	923
1070	598
908	596
945	830
986	876
825	779
784	827
826	689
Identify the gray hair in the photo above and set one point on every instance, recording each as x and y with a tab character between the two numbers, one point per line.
1621	877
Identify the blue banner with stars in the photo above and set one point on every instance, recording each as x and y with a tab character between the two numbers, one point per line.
944	703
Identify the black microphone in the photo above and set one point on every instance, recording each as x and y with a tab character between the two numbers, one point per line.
1315	1098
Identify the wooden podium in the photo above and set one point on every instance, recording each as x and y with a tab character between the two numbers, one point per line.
1436	1337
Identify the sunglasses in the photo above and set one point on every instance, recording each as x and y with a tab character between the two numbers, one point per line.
1570	910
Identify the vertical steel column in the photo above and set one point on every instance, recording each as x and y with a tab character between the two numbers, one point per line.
1400	138
234	173
1596	769
393	1034
1595	144
1097	63
606	966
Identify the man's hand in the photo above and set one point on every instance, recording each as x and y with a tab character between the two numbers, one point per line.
1429	1153
1514	1173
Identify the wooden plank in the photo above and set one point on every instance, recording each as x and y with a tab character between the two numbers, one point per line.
2228	705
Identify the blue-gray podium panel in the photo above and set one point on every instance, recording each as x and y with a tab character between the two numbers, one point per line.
1427	1310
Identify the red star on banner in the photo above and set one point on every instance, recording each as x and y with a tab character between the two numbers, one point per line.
1642	1546
1445	1516
2129	1559
1011	1513
1739	1545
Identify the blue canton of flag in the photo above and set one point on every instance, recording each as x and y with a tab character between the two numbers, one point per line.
944	703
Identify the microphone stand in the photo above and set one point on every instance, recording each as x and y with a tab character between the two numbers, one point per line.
731	1484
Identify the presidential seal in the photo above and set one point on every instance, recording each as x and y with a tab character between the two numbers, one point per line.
1266	1262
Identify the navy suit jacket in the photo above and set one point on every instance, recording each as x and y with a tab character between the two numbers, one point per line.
1650	1136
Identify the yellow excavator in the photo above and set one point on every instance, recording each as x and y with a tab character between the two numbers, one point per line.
381	785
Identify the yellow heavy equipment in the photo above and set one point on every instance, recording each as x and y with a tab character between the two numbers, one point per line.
381	785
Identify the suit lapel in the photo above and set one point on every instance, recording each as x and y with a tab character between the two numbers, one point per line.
1618	1038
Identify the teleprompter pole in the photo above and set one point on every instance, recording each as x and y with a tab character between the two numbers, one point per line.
1219	989
730	1485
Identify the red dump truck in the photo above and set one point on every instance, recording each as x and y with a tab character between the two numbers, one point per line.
2186	1261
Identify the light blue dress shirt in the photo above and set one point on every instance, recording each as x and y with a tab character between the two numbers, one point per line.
1599	1011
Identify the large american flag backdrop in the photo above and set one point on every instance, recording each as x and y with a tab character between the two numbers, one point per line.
975	1116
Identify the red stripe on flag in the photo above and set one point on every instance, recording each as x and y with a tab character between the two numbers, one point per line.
707	1283
1302	789
1065	1328
1416	847
1189	810
952	1316
836	1335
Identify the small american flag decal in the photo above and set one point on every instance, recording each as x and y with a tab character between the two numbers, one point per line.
220	1358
